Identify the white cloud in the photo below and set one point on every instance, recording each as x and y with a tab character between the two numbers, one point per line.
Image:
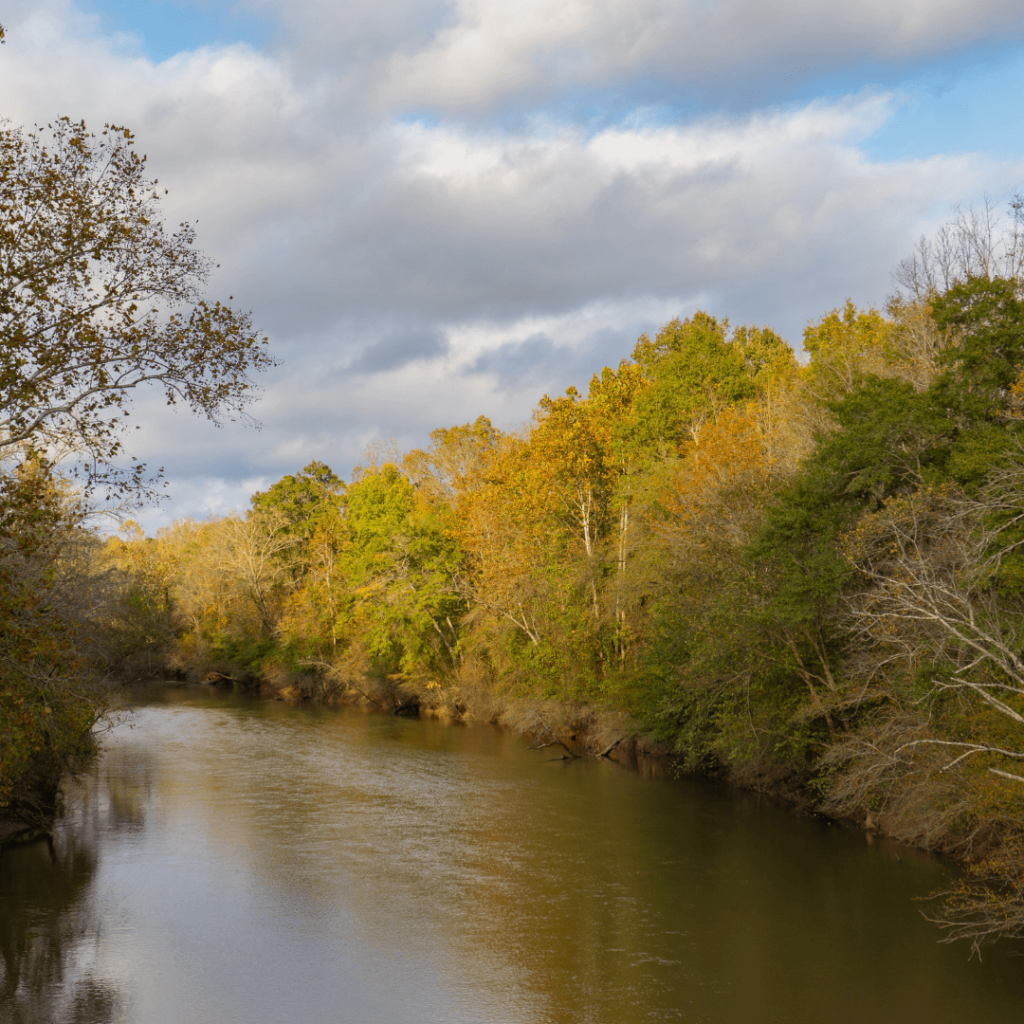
418	273
472	54
200	497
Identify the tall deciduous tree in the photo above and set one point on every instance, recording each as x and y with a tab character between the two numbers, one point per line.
694	373
305	499
98	297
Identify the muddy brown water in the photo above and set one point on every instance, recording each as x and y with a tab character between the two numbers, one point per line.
244	861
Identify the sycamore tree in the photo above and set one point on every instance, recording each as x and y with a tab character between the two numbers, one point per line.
98	298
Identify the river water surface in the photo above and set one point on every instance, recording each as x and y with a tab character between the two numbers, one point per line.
243	861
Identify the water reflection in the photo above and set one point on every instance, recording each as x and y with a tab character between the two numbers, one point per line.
253	862
46	930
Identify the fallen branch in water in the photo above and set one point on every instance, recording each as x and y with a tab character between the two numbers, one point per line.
363	693
556	741
607	750
219	677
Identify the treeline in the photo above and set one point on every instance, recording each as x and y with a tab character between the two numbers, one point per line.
802	577
806	578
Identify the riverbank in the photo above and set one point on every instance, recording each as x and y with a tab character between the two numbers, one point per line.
979	836
569	730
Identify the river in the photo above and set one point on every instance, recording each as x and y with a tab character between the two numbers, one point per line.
243	861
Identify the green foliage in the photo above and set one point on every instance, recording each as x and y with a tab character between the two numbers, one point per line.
889	440
306	500
693	372
44	722
399	564
984	322
715	541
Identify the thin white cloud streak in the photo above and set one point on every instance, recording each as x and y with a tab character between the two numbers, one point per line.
498	264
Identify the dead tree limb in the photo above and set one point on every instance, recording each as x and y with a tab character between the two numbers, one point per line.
607	750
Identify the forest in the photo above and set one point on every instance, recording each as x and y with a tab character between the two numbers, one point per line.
799	573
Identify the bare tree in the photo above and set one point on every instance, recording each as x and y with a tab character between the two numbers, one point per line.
975	242
931	569
250	551
935	608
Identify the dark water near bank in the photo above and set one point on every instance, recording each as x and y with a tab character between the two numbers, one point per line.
250	862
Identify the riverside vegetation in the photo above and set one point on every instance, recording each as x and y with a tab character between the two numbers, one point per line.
97	298
806	578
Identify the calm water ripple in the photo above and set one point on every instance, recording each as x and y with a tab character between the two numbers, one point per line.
237	861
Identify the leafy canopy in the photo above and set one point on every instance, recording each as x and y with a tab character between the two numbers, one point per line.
97	297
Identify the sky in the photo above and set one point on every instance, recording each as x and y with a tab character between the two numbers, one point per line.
438	209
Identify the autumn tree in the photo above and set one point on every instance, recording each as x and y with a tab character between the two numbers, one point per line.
135	602
529	605
613	396
455	462
248	550
97	299
48	695
570	463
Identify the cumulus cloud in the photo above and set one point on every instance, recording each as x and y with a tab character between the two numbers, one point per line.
418	271
466	55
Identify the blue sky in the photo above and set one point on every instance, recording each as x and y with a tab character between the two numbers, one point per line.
441	208
971	104
164	28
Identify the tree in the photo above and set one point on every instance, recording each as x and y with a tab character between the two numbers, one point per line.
250	551
613	395
936	634
305	499
984	321
453	465
509	531
97	298
694	372
976	242
569	462
843	346
48	696
938	602
400	564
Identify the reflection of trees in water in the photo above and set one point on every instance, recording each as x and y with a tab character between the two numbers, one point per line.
126	784
42	921
95	1003
45	914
